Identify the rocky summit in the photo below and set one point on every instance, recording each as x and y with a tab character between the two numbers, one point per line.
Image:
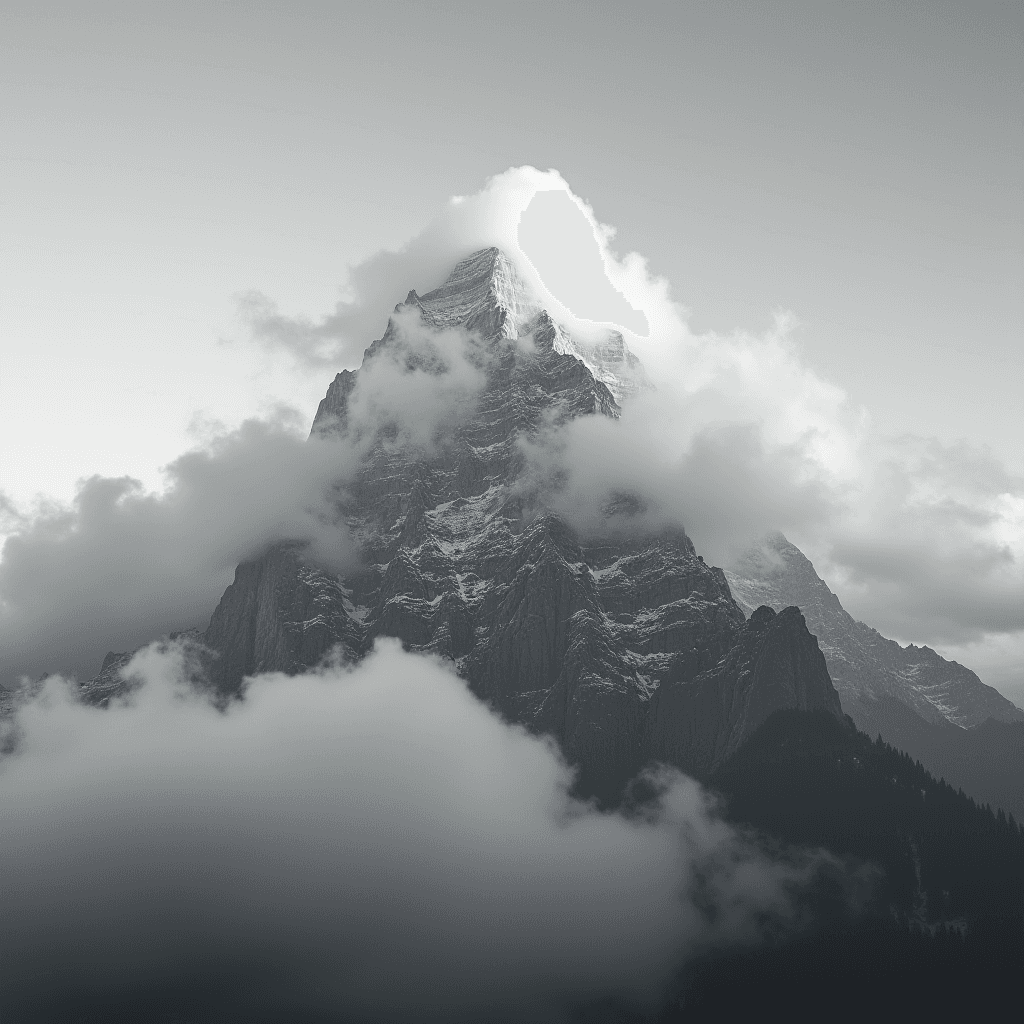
627	648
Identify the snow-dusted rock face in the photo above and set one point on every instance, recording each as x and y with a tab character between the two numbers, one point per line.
625	650
869	671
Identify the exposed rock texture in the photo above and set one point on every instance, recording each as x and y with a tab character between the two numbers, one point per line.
622	649
279	614
865	666
775	663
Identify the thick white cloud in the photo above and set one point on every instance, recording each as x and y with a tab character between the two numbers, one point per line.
121	565
372	842
467	223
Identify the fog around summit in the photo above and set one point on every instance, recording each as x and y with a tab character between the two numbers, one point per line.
923	540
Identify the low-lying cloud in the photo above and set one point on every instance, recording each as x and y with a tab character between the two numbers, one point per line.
365	843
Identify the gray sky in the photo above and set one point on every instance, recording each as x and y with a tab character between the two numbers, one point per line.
859	165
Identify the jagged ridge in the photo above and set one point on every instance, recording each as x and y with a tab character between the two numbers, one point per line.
865	666
936	710
623	650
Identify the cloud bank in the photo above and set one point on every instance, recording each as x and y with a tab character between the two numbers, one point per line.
360	844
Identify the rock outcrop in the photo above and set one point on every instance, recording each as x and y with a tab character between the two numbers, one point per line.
774	664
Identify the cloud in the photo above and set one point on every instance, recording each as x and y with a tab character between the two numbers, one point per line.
310	343
923	540
419	385
934	546
467	223
10	516
678	470
367	844
560	236
741	436
121	565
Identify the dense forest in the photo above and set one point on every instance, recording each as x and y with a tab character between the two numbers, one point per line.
942	929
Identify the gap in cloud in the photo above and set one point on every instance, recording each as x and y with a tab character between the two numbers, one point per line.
557	238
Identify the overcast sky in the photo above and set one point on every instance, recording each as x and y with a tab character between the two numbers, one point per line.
859	166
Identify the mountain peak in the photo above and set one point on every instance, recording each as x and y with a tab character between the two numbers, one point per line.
484	292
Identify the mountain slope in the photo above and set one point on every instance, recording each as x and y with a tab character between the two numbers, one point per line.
936	710
864	665
941	931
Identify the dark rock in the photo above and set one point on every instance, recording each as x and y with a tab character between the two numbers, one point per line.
279	615
775	664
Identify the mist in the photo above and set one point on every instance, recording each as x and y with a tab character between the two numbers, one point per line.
368	842
121	565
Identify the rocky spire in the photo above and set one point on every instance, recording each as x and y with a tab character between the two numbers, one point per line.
483	293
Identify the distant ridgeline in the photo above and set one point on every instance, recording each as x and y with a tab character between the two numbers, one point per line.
936	710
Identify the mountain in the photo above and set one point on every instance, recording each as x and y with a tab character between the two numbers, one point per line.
629	649
625	650
936	710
